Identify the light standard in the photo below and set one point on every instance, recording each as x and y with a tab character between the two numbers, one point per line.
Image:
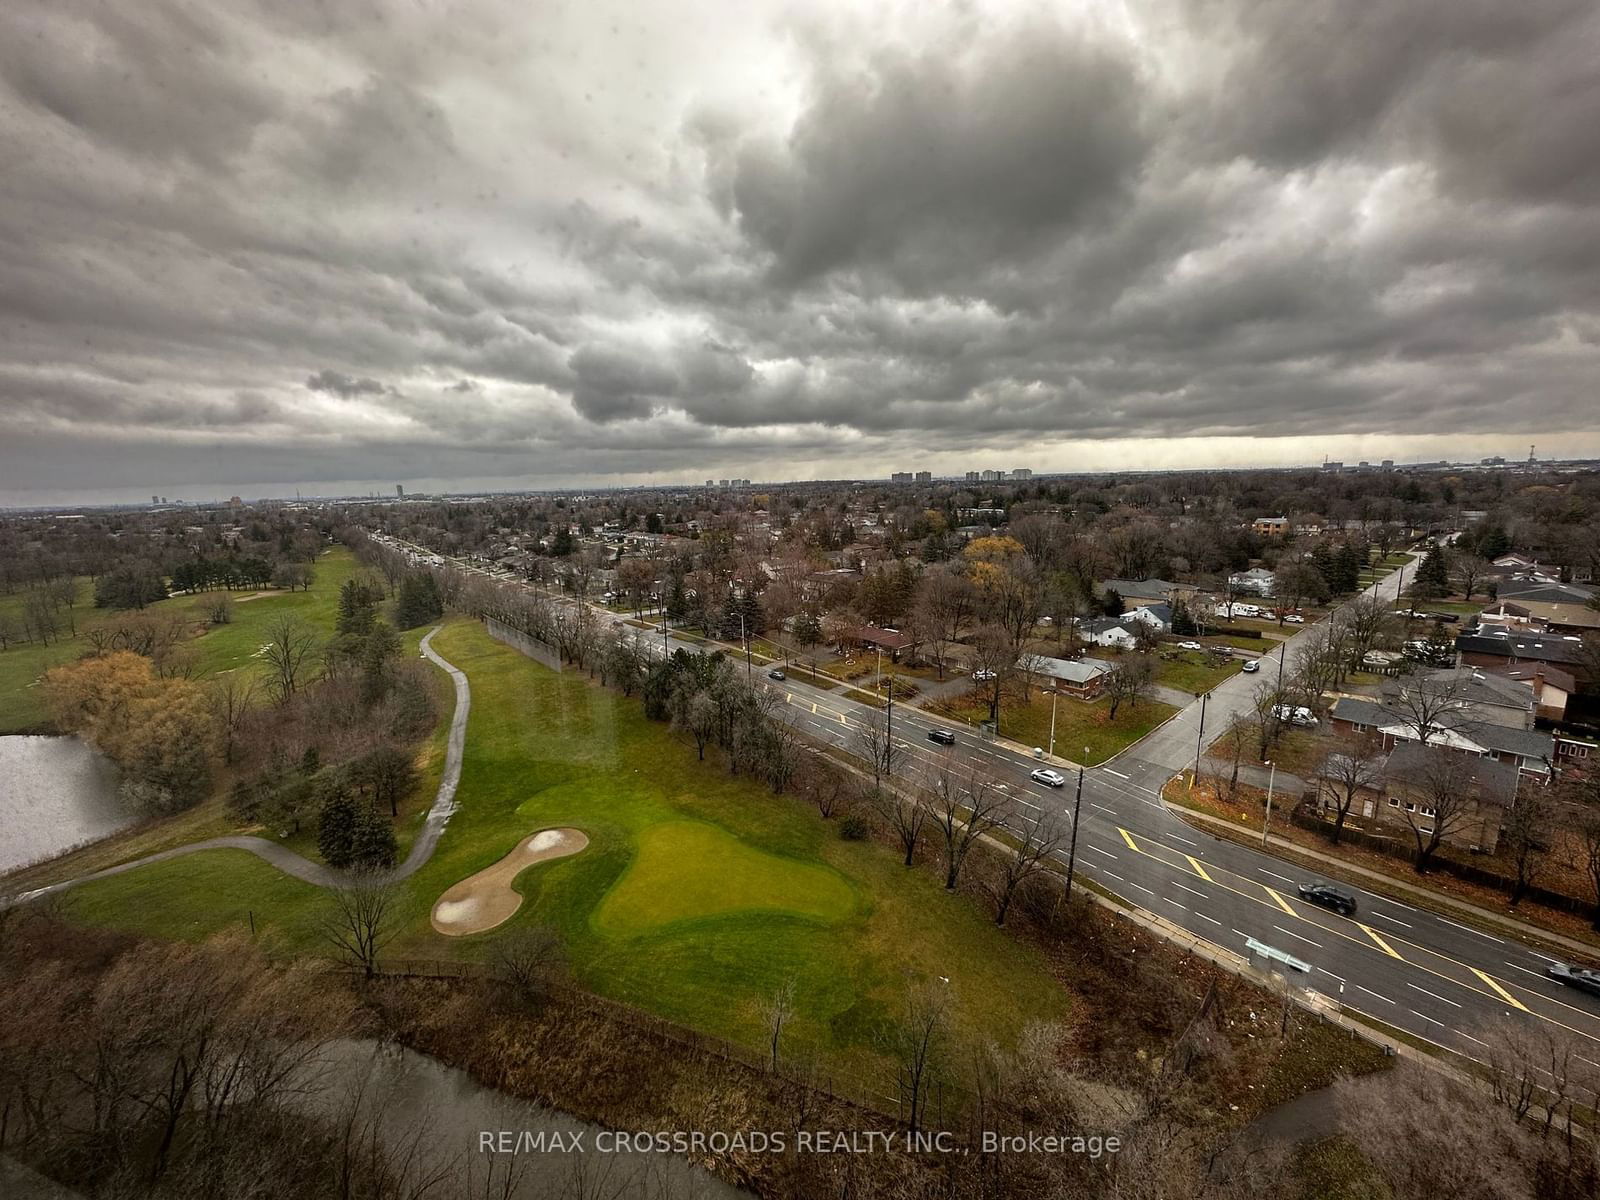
1053	694
1272	778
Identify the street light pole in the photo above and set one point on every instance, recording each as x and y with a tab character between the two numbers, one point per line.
1053	694
1199	742
1272	778
1072	850
745	638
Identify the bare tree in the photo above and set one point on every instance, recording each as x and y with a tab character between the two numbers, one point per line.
289	653
1364	622
872	740
1350	766
776	1011
906	815
1129	681
362	920
1427	703
918	1043
531	960
1527	834
964	808
232	694
1583	822
1469	571
1036	834
1443	794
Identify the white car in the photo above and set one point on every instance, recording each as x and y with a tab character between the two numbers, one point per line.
1190	646
1294	619
983	676
1251	666
1048	777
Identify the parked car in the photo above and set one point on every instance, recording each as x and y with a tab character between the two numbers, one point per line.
1251	666
1581	978
943	736
1295	714
776	673
1048	777
1190	646
983	676
1328	896
1294	619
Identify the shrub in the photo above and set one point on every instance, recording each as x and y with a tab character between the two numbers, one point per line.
853	829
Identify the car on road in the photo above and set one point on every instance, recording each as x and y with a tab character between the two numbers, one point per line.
1328	896
1190	646
777	674
1048	777
943	736
1581	978
983	676
1294	619
1295	714
1251	666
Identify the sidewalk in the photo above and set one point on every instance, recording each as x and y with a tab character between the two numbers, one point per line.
1437	899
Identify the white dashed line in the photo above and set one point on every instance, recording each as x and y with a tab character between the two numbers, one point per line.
1371	993
1293	934
1274	874
1435	995
1392	920
1480	933
1190	890
1097	850
1203	917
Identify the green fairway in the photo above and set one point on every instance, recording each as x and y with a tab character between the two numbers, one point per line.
217	648
688	869
698	895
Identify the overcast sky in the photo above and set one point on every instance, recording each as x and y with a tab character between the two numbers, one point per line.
248	247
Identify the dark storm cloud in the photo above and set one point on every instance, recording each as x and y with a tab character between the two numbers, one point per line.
615	241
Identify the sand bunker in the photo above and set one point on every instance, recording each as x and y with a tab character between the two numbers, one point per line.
484	900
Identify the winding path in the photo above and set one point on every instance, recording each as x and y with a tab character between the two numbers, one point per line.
302	868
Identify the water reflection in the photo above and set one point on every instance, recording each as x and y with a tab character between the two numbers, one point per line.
55	793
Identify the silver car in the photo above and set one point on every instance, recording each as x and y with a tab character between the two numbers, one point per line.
1048	777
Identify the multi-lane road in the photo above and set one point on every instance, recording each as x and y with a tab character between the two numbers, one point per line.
1409	968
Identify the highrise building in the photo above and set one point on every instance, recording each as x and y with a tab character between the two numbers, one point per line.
924	476
400	489
1022	473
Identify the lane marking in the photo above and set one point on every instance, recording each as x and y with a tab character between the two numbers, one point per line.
1396	903
1198	868
1128	837
1140	886
1535	974
1504	995
1109	771
1378	937
1184	840
1103	808
1469	929
1470	1038
1190	890
1293	934
1281	902
1097	850
1275	875
1331	975
1387	917
1113	875
1435	995
1372	993
1213	920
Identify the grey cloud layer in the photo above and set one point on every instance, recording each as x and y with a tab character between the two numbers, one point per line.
619	242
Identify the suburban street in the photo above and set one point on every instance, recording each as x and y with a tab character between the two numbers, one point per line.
1406	967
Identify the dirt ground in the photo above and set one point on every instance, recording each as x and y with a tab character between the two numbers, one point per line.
484	900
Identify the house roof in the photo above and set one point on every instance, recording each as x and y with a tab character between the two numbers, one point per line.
1103	625
1496	782
1510	644
1254	573
1162	612
1467	684
1573	616
1554	676
889	639
1140	589
1457	730
1079	671
1524	591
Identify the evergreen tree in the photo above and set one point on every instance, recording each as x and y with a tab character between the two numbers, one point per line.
1183	623
1433	576
807	629
561	544
337	821
1346	568
373	844
1111	603
418	602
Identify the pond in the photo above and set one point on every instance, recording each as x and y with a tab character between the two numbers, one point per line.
435	1118
55	793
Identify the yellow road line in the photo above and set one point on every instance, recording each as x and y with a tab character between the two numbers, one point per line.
1128	837
1281	902
1198	868
1377	937
1504	995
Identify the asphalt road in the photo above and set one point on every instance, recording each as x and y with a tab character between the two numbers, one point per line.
1406	967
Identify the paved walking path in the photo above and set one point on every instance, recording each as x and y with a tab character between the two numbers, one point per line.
297	865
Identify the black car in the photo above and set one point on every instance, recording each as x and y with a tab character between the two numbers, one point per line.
943	736
1581	978
775	673
1328	896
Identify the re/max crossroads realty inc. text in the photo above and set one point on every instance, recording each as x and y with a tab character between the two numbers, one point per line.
781	1141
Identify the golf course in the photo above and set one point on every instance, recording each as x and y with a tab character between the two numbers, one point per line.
696	897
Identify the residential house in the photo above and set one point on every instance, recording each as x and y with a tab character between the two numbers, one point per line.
1400	799
1473	713
1157	616
1140	591
891	641
1082	679
1495	647
1271	526
1552	687
1558	618
1108	631
1257	581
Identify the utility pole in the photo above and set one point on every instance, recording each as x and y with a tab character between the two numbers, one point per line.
1283	649
745	638
1272	778
1072	850
1199	742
